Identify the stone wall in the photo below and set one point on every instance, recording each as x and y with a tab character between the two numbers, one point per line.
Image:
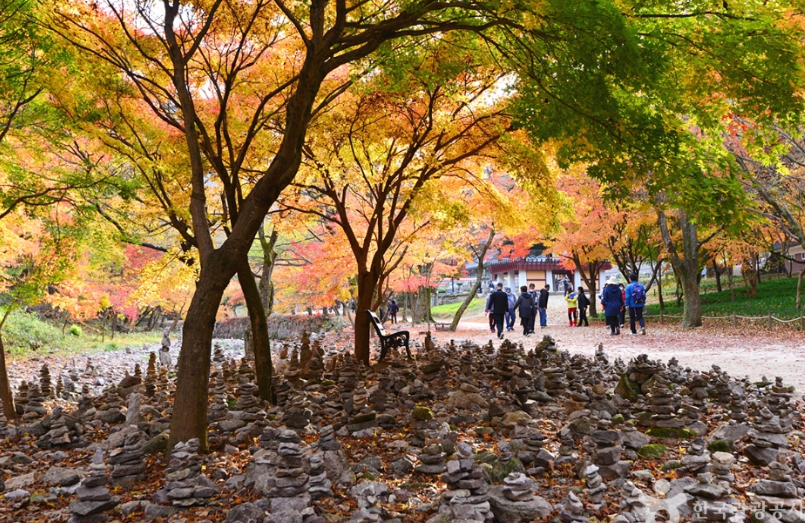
280	326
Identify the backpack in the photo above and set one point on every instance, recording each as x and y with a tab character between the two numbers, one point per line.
638	294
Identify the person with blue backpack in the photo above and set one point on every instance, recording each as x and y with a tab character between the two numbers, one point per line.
636	300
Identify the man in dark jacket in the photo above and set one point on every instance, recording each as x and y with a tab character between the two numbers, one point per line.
525	308
584	302
499	305
544	293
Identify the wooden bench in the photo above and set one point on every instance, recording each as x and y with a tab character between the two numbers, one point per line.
387	341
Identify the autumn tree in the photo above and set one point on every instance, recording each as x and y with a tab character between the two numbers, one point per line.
381	170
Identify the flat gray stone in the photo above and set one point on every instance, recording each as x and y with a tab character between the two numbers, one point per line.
507	511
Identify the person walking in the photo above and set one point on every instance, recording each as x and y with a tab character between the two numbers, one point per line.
612	300
532	290
635	301
572	300
526	308
622	313
499	305
393	310
544	294
510	311
584	302
488	312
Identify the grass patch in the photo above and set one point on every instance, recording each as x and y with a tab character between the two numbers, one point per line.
25	335
776	296
449	310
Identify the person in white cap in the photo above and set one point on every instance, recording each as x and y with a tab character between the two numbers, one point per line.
612	300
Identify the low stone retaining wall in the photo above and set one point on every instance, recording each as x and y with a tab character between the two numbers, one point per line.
280	326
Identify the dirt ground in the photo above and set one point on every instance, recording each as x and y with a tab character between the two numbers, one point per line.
749	351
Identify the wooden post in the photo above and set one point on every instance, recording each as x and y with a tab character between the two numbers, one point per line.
769	320
734	320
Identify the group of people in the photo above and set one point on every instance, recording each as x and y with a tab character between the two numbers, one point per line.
617	300
503	307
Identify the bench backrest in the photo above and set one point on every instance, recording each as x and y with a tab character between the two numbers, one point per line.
376	322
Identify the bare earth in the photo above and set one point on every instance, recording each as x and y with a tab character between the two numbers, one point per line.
753	352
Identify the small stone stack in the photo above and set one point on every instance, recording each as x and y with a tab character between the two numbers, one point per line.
150	381
595	485
466	498
780	397
607	452
85	407
533	453
60	434
288	490
431	460
632	504
21	398
709	501
219	404
318	484
737	407
721	468
572	509
518	487
778	493
768	436
34	409
247	401
327	439
186	486
60	387
44	381
128	459
93	497
218	354
662	405
697	459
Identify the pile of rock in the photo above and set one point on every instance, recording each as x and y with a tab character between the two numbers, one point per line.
768	436
607	452
466	498
431	460
93	497
595	485
186	486
127	457
515	502
778	493
697	459
288	490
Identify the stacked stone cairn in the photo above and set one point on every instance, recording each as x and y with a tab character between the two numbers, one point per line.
21	398
93	497
467	496
779	495
595	485
709	501
319	485
186	486
127	458
35	408
431	460
607	452
768	437
633	506
288	490
219	406
150	381
572	509
44	382
721	467
63	431
697	459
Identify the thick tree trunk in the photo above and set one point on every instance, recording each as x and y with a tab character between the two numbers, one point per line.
799	291
591	280
261	345
686	267
366	291
5	387
190	406
478	280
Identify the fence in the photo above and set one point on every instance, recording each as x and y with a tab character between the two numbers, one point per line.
769	321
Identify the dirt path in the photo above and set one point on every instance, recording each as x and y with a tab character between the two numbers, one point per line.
754	352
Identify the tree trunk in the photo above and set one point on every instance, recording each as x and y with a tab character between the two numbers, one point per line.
478	280
717	274
366	291
404	307
5	387
686	267
257	320
266	285
591	280
189	418
659	295
799	290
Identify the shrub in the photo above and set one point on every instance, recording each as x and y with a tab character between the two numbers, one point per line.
75	330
